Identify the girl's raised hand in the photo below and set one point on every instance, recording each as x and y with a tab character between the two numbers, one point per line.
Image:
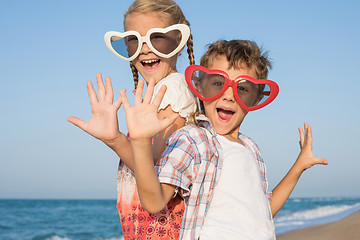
142	119
306	158
103	124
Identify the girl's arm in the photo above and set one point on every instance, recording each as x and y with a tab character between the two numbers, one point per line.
304	161
153	195
103	124
143	123
159	140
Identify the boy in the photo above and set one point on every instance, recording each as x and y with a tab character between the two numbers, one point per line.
218	172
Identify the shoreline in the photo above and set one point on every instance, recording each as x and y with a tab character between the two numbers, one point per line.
347	228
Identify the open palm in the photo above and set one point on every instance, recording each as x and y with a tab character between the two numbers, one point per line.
306	158
142	119
103	124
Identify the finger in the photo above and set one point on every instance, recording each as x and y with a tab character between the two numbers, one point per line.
309	138
149	91
159	97
321	161
301	142
100	86
139	92
124	99
117	103
91	92
109	94
77	122
166	122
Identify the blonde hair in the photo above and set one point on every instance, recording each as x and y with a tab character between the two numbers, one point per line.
172	11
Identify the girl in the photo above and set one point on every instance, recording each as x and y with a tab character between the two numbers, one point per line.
156	32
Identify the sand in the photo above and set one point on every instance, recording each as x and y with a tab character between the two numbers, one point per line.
345	229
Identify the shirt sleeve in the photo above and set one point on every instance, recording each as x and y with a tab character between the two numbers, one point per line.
178	95
174	166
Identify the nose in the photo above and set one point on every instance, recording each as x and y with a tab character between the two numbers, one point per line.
145	49
229	95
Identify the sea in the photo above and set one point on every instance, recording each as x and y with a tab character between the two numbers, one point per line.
30	219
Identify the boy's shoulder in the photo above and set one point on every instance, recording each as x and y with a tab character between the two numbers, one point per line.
191	135
249	143
192	131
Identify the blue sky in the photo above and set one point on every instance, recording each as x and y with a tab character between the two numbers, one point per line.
49	49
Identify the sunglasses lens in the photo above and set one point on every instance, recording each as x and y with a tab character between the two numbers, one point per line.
125	47
166	42
252	94
207	85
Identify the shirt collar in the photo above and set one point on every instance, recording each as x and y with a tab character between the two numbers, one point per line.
204	122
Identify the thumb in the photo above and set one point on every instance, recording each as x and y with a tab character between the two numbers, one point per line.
166	122
118	102
77	122
322	161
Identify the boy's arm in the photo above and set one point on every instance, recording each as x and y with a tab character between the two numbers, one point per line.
103	124
305	160
143	123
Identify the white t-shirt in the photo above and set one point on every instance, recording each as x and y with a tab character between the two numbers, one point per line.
239	208
178	95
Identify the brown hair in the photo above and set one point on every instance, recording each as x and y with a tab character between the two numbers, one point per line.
172	11
238	53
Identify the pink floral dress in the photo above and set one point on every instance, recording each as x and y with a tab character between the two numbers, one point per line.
136	222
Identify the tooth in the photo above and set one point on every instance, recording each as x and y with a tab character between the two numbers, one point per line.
149	61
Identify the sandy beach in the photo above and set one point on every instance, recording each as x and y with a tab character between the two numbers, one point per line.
344	229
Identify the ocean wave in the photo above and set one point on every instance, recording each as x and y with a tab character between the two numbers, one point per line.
53	236
49	236
319	212
4	227
316	216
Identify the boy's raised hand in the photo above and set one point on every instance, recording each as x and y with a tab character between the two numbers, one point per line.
103	124
142	119
306	158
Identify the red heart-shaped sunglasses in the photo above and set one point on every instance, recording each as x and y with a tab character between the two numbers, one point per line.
250	93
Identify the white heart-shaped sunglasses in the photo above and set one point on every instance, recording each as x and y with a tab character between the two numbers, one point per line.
164	42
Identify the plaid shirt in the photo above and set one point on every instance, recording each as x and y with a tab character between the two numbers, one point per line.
192	161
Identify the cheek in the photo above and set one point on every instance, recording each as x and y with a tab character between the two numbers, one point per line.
137	65
243	113
255	100
258	100
209	108
170	62
250	100
170	47
136	62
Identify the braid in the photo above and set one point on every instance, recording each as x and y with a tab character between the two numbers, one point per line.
190	49
191	119
135	74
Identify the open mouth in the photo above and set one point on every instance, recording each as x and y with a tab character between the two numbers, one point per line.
150	64
224	114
